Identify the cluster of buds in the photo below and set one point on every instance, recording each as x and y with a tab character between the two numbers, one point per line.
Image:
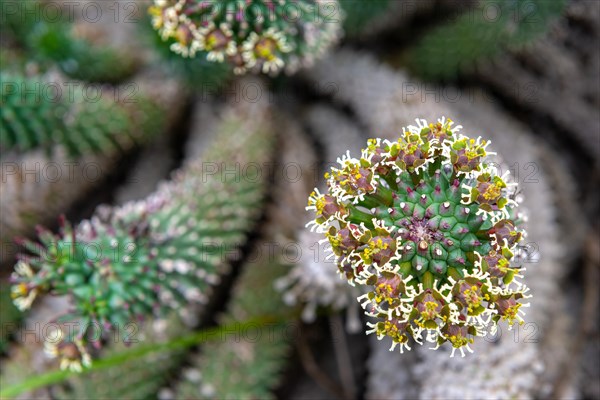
251	35
429	229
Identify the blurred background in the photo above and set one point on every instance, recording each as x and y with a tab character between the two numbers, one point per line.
120	123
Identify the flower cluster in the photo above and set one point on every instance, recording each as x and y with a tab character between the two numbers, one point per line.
429	228
72	354
251	35
25	288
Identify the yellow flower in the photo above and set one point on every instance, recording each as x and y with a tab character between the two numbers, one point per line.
23	293
217	41
511	314
265	50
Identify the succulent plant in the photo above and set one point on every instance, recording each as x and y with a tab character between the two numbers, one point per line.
150	257
430	230
252	35
359	13
32	116
145	375
247	365
55	40
479	35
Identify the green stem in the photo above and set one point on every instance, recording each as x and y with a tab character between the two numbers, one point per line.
416	178
437	164
369	202
357	216
405	269
428	280
455	274
384	195
390	178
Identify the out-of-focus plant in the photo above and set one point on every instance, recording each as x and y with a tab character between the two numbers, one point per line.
10	317
55	40
248	365
481	33
145	375
222	369
151	257
256	35
428	226
33	116
358	12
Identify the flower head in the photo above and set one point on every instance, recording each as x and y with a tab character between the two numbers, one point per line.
252	35
217	41
425	225
24	291
265	51
73	355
